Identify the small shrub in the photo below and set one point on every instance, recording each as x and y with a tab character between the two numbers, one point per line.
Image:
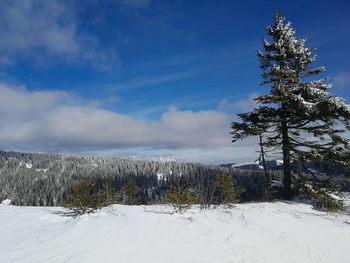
226	193
273	191
129	194
180	197
83	199
320	194
108	194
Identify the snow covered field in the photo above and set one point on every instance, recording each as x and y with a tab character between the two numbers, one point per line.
255	232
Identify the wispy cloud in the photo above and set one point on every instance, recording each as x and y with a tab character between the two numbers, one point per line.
218	58
184	66
41	30
149	81
241	105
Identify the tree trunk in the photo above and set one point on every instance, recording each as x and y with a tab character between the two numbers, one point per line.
267	177
286	161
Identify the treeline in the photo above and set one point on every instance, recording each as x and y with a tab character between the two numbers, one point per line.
45	179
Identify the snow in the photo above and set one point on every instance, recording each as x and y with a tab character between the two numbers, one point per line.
27	165
276	183
238	165
160	176
276	232
42	170
6	202
314	170
163	159
335	196
279	162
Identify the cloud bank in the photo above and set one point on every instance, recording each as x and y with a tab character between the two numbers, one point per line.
56	121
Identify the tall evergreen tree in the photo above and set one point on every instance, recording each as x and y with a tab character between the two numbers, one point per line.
298	117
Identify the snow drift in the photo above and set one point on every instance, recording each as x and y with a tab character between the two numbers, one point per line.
256	232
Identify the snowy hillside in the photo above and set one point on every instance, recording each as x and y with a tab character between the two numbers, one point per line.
256	165
255	232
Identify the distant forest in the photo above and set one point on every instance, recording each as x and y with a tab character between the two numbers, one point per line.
40	179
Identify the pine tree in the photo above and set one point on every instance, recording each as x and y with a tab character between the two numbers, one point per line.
180	197
129	194
298	117
322	193
108	193
225	191
83	199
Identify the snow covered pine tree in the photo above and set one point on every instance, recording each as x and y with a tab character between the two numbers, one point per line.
298	117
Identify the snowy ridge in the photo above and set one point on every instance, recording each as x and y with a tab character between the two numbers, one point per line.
271	164
277	232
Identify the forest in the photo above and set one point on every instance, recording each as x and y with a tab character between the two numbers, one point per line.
42	179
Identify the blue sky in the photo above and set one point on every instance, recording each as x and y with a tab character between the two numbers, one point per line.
147	78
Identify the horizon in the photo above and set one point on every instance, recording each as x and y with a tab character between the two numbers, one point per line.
147	78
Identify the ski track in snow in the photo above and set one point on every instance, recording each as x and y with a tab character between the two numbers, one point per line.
254	232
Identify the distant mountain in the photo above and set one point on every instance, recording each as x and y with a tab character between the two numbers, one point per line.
227	165
271	165
319	168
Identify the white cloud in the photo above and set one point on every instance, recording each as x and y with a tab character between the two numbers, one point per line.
241	105
56	121
44	30
232	153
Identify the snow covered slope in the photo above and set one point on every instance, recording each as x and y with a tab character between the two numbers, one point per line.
255	232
